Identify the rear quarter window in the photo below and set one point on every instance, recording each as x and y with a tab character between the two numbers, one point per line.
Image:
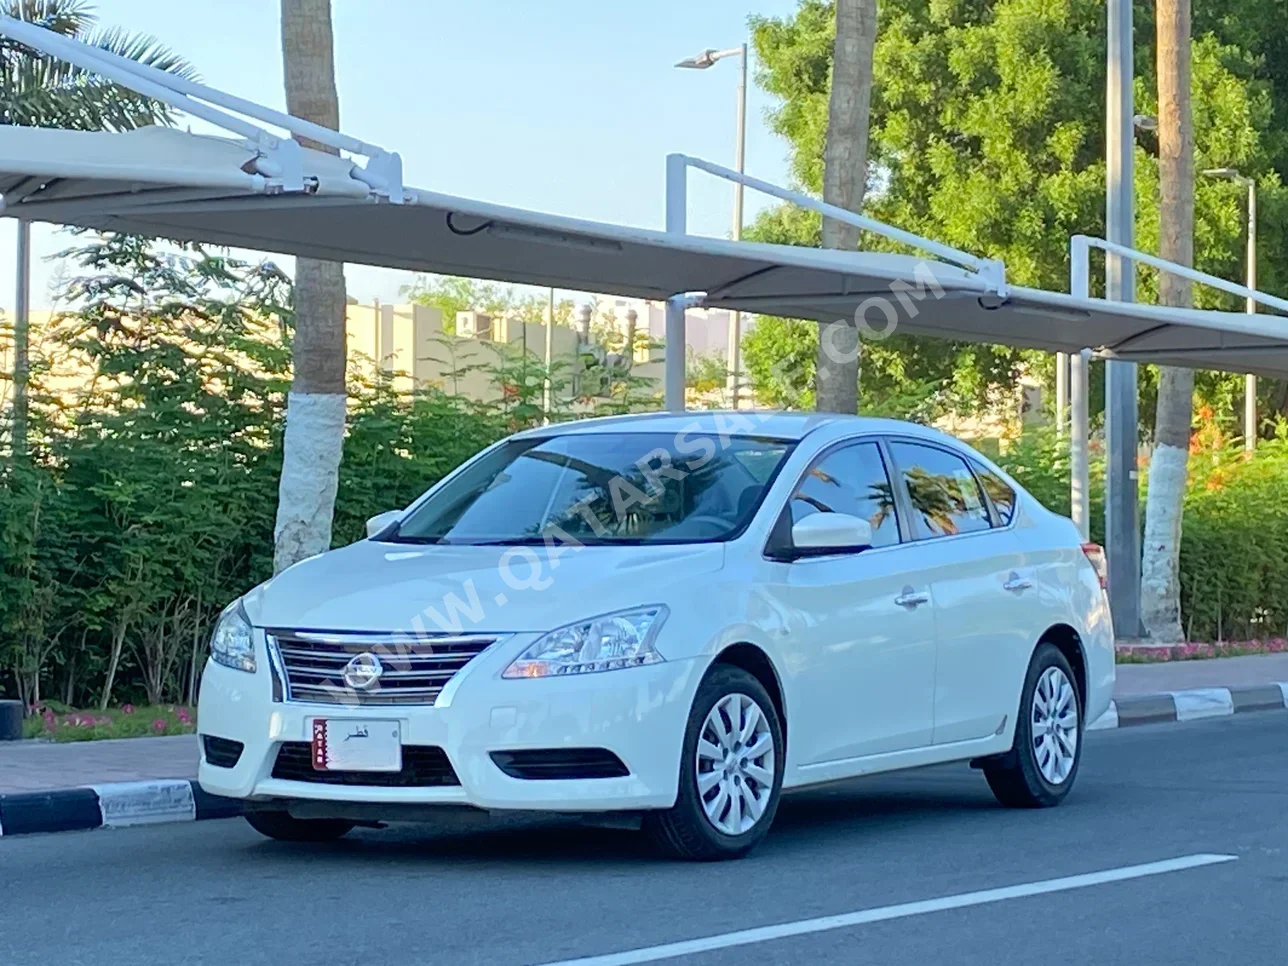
999	492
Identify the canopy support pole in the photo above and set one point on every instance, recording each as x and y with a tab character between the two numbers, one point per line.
1079	469
1061	393
1079	392
677	204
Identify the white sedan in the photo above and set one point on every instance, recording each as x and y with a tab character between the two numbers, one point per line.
675	617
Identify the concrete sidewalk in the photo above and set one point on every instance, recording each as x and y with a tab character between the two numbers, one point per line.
1219	672
31	766
35	766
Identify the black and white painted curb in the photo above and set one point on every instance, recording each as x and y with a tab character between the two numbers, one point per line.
1191	705
118	805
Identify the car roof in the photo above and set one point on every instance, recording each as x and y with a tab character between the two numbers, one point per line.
742	422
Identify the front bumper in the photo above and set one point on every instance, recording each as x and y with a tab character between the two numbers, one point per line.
639	714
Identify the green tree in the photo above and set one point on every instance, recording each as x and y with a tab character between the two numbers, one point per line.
987	132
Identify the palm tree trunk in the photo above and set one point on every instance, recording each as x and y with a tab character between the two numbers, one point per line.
1160	564
845	168
315	411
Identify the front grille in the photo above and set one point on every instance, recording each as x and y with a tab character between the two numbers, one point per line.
560	763
221	752
423	766
415	667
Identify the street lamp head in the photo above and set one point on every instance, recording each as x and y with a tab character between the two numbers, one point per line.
699	61
1145	122
1231	173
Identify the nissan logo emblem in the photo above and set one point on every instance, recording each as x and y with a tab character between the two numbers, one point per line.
363	672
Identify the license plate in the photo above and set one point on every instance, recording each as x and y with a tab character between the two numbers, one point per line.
347	744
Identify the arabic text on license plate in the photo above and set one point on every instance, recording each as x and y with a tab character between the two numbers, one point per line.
346	744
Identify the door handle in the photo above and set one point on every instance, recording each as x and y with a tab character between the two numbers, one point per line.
1015	583
912	599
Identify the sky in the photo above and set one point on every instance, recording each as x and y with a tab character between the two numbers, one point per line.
565	106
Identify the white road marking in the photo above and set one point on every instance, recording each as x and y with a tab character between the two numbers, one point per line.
804	927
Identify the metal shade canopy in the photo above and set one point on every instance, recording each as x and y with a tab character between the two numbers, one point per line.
263	191
188	187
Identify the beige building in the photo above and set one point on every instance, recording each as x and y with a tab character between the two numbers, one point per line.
407	342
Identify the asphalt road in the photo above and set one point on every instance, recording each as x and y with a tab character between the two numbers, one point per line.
214	892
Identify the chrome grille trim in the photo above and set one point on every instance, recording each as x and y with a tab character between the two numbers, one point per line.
417	666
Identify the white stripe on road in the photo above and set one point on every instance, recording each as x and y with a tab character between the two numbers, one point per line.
804	927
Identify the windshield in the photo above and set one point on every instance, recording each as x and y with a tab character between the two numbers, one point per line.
623	488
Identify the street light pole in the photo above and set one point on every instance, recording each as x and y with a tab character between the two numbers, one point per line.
708	58
1250	381
1122	526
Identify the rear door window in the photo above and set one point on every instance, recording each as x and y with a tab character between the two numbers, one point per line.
945	496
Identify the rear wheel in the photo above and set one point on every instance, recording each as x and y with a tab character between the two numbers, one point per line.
286	828
730	771
1041	766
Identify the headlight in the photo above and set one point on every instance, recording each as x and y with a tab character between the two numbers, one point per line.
618	640
231	644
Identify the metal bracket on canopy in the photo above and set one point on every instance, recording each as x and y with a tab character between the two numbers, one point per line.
281	158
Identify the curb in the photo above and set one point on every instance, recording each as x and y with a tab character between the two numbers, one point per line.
1140	709
116	805
125	804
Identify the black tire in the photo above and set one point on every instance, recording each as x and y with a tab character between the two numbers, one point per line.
286	828
684	831
1016	778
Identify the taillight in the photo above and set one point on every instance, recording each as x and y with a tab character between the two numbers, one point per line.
1096	554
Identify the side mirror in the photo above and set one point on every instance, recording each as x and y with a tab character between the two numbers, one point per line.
825	533
382	521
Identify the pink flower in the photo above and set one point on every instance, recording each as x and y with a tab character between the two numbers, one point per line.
184	716
127	709
50	720
160	725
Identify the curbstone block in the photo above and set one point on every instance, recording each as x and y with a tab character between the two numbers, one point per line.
112	805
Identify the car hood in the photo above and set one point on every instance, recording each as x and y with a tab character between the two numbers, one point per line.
371	586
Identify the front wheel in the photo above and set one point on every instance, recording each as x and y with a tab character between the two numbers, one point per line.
1041	766
731	771
286	828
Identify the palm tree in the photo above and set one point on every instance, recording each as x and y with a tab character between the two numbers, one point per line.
845	169
1160	562
315	409
40	91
